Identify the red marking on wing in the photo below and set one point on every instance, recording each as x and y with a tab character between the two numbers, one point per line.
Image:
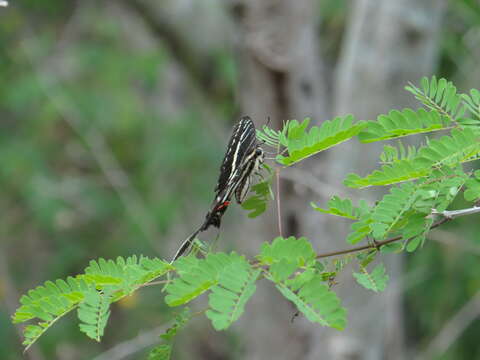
222	205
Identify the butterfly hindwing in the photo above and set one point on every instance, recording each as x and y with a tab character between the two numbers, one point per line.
242	190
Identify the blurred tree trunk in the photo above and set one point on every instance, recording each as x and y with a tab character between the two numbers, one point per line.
281	74
281	78
387	44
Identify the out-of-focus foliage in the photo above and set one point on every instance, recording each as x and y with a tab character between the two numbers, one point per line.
76	77
455	266
164	350
59	209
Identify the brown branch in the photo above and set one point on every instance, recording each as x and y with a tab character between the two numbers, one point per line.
375	245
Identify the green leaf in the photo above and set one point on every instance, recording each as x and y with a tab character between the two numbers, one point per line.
390	210
315	301
360	229
283	269
49	303
447	151
94	312
298	251
258	202
472	191
414	232
302	144
403	123
301	278
269	136
394	211
365	258
125	274
343	208
236	284
181	319
164	351
391	248
117	279
439	189
417	224
396	172
440	96
161	352
413	244
472	102
197	277
375	281
392	154
460	146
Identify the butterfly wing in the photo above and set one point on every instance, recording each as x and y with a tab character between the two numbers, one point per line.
241	143
253	161
242	157
242	190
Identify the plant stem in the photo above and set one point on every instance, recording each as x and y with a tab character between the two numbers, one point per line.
376	244
279	209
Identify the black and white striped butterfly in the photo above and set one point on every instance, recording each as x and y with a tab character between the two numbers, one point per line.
243	158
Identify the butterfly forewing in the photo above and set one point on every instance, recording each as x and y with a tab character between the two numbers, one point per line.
241	143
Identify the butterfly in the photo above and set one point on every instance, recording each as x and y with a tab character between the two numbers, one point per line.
242	159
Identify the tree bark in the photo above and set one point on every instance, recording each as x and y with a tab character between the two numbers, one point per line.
388	43
281	77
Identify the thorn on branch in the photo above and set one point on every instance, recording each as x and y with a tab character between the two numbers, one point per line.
294	316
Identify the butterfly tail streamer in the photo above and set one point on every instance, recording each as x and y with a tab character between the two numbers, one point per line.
187	243
213	218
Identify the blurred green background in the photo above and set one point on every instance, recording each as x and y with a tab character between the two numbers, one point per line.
110	142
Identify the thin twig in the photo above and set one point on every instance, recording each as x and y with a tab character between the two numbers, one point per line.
279	209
